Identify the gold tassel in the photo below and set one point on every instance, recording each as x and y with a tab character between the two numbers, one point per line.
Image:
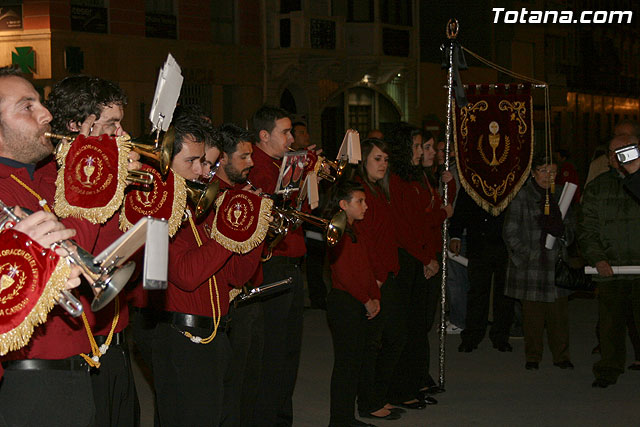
547	206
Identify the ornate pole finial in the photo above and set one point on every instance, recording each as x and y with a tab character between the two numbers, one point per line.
452	29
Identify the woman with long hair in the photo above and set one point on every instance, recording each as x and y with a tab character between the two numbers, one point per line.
377	231
410	200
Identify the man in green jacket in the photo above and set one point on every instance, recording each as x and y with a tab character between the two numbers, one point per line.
608	235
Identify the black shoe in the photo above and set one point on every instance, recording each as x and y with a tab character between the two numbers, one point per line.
428	400
418	404
399	411
596	349
601	383
434	389
392	416
635	366
466	348
503	347
565	364
531	366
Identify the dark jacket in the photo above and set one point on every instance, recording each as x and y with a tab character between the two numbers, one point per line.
609	224
483	229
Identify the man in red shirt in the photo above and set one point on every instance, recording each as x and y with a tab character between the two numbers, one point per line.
191	350
48	370
95	107
247	330
282	312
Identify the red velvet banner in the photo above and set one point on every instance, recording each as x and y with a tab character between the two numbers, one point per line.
494	143
166	200
30	278
241	221
91	179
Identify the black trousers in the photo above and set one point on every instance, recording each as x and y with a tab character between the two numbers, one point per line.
190	379
316	250
246	336
492	261
386	336
114	389
614	299
46	398
420	300
348	324
282	343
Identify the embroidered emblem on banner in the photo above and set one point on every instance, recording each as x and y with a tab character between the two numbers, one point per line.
494	143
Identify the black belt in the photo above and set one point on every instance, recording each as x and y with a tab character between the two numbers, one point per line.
118	339
73	363
185	320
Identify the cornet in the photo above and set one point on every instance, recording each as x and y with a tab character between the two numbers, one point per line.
336	167
202	195
158	147
107	281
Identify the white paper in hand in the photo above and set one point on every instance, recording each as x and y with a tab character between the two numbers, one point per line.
167	92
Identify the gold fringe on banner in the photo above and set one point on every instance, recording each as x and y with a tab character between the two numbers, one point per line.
256	238
177	209
494	210
19	336
98	215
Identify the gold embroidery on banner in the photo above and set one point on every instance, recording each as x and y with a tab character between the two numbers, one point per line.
466	114
494	142
493	191
518	108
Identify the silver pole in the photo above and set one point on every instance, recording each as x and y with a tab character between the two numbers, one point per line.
452	32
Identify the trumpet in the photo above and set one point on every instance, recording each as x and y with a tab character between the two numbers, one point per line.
107	281
202	195
157	148
285	220
336	167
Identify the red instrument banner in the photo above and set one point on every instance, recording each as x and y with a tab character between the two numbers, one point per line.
91	178
166	200
494	143
31	277
241	221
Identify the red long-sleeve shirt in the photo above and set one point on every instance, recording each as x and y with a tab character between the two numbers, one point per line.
379	234
351	271
61	336
190	268
264	175
410	201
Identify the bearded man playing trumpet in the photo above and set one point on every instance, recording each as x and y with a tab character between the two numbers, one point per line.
191	350
48	372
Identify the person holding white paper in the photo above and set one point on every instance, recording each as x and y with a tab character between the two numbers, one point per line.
531	267
608	232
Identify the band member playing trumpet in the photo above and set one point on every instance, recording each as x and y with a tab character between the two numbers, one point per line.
191	349
92	106
49	369
283	312
246	333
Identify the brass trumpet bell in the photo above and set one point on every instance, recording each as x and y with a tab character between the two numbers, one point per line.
158	147
287	220
202	195
139	177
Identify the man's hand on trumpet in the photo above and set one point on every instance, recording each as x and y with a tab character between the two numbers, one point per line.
44	228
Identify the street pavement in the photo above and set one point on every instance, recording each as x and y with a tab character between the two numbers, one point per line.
483	388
